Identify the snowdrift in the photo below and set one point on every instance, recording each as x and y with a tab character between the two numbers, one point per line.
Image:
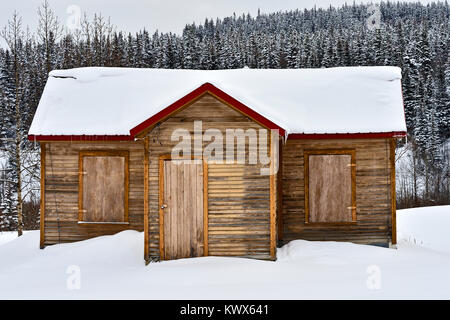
111	267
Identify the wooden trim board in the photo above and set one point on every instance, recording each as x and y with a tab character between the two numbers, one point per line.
273	224
273	205
42	200
205	208
393	192
280	192
146	195
160	204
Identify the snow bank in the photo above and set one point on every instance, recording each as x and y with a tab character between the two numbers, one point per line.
427	227
7	236
111	101
112	267
327	252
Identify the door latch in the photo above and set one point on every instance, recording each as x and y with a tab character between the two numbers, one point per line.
164	206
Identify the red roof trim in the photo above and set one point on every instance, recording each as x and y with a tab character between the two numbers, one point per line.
33	137
311	136
206	88
394	134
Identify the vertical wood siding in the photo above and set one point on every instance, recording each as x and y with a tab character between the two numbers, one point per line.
373	192
61	191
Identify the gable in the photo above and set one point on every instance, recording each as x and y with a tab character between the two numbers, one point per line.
210	90
205	113
208	108
211	112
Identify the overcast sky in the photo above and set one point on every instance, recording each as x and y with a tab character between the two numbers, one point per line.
164	15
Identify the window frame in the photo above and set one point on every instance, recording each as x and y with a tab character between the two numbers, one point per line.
352	153
103	153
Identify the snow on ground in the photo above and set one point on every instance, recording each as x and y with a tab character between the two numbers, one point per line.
112	267
7	236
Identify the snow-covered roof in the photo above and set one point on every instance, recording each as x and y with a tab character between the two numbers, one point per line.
112	101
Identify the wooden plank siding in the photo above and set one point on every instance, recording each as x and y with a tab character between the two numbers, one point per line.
245	213
373	193
238	218
61	187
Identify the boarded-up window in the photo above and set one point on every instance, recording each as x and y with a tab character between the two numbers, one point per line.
103	186
330	186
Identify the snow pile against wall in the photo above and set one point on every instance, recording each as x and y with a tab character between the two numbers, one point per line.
426	227
111	101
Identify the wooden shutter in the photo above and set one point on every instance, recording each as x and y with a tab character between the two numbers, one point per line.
330	187
104	187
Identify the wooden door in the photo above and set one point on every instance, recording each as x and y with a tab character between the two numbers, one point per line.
182	209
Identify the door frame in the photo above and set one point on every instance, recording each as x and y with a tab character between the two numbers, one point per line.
168	157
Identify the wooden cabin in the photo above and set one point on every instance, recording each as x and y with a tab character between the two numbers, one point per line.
219	163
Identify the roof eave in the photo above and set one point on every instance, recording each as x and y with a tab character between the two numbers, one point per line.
32	137
358	135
